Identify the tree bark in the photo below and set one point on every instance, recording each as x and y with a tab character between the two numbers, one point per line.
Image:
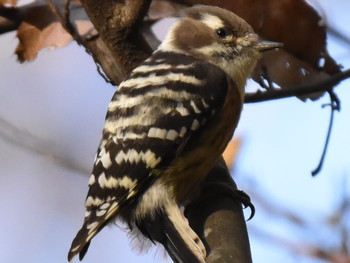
118	23
217	217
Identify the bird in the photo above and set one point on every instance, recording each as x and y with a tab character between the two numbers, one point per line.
166	126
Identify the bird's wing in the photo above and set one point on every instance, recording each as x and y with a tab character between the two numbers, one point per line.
148	124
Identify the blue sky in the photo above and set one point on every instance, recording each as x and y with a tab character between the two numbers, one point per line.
60	99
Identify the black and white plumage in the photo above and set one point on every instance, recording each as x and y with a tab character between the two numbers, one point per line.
166	126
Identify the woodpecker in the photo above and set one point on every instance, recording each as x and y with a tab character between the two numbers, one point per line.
166	126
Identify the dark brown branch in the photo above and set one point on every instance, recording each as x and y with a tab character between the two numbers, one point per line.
217	217
93	45
67	24
102	56
273	94
9	19
118	24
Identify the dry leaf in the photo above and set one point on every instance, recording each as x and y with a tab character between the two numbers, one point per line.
8	3
288	71
41	29
33	39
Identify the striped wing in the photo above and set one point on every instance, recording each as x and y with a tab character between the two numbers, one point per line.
150	119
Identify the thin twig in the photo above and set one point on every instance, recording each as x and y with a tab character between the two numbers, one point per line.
55	10
65	21
305	89
67	11
103	75
70	28
68	25
335	106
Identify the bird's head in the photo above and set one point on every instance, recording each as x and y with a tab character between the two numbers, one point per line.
220	37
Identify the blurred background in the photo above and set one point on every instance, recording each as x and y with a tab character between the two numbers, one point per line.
51	116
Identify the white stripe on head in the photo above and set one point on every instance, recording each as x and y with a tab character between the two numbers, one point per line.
212	21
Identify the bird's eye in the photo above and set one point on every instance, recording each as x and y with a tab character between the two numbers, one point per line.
221	32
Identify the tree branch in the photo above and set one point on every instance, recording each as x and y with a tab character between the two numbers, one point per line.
9	19
118	23
305	89
217	217
64	20
94	46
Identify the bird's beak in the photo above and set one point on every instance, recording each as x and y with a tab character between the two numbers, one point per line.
263	45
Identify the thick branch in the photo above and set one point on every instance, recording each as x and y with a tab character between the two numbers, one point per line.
305	89
217	217
118	25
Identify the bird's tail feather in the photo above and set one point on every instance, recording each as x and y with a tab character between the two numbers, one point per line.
171	229
93	223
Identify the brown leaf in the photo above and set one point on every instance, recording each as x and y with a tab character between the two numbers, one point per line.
41	29
288	71
231	152
294	23
32	39
8	3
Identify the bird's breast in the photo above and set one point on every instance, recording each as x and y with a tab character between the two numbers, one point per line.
188	170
